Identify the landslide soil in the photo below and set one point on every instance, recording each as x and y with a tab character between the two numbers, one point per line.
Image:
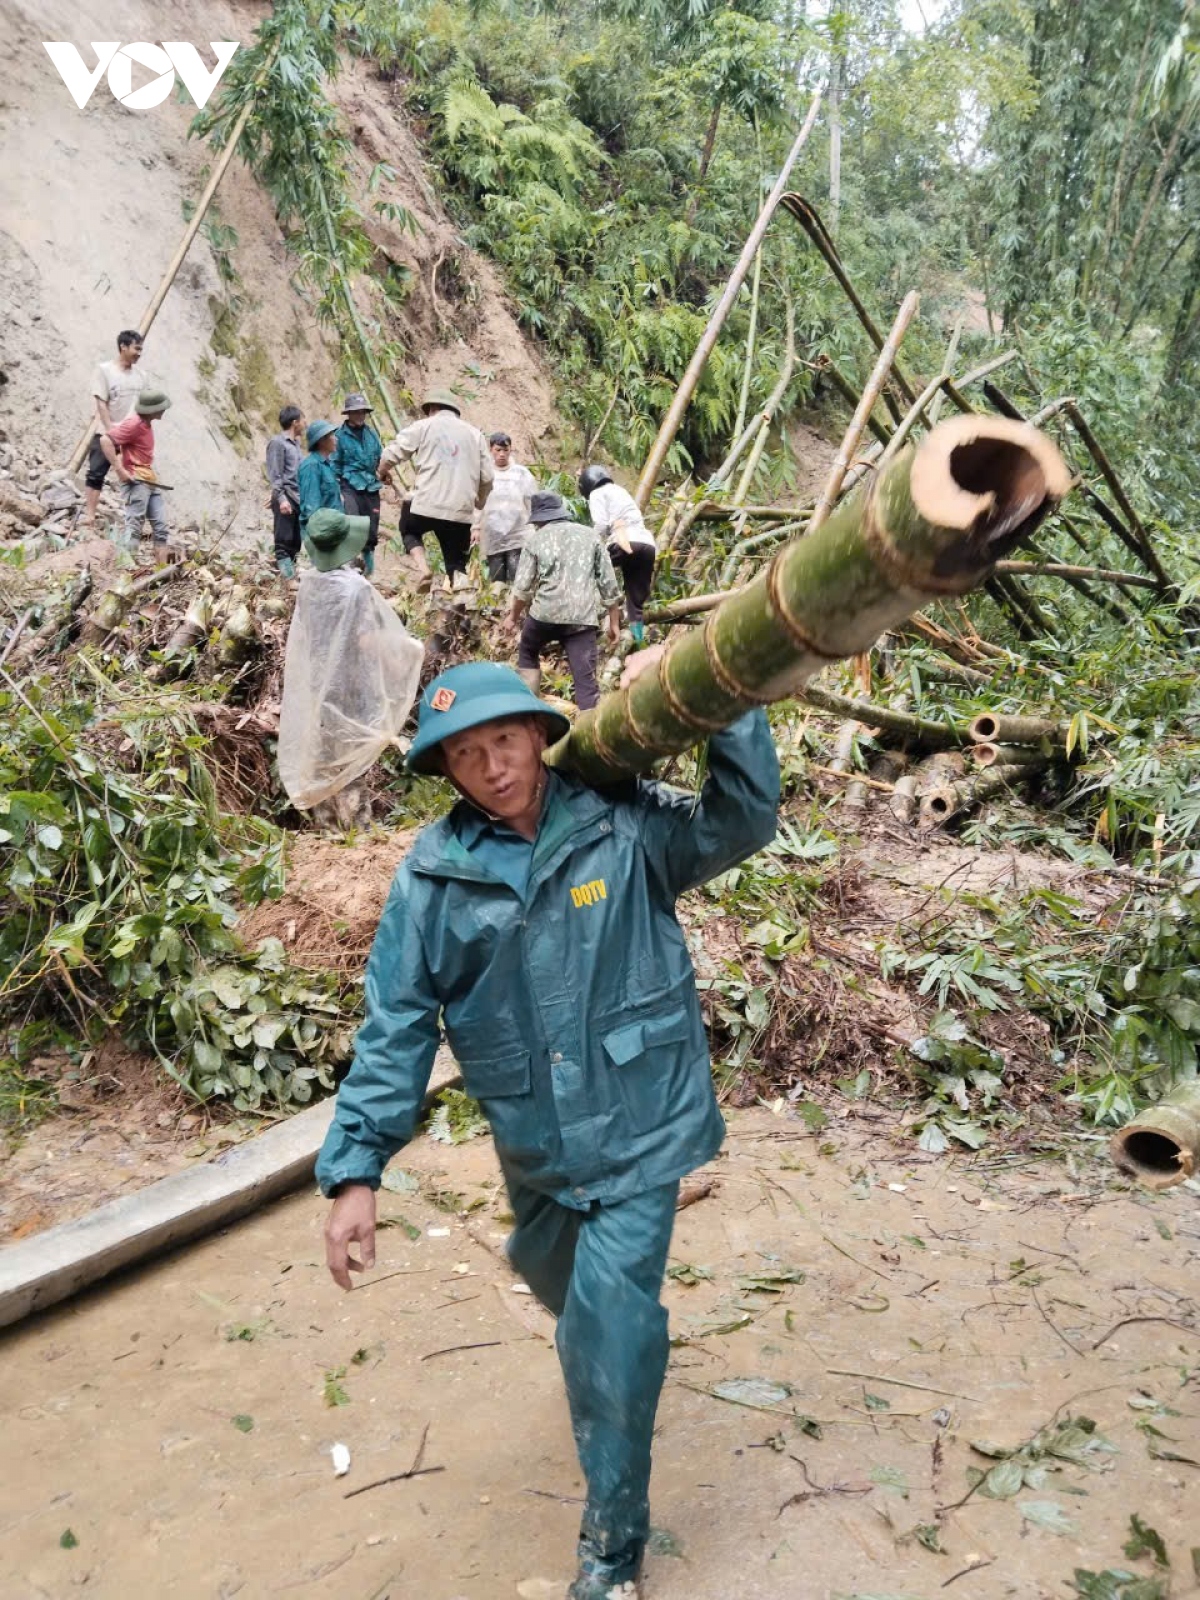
179	1421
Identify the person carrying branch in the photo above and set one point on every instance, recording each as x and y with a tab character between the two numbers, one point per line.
617	518
564	580
537	924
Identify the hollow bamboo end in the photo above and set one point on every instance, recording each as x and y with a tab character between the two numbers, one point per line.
984	729
985	755
987	476
1155	1156
938	805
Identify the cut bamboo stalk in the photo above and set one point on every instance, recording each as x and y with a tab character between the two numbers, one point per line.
866	405
902	724
1161	1146
993	727
850	395
904	798
938	805
843	750
931	525
1012	755
687	384
996	779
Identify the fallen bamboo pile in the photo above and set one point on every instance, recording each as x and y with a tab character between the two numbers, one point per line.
958	765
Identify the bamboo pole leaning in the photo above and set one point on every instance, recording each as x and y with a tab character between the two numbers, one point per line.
669	426
866	405
929	526
185	243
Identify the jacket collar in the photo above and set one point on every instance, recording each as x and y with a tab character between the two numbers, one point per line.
573	813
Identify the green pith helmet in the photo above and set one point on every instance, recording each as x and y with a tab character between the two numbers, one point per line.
152	403
441	397
332	538
316	431
471	694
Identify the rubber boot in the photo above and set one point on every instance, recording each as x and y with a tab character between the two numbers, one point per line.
287	567
369	562
638	631
532	676
615	1577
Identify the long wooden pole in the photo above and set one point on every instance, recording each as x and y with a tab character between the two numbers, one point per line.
184	245
866	405
687	384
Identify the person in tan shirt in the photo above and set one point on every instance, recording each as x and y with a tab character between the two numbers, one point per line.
454	475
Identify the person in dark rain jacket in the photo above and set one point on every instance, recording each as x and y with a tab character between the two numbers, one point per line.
536	923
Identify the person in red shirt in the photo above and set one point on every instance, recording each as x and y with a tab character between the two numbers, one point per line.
129	447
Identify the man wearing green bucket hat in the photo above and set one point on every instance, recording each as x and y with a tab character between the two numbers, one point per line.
536	923
320	486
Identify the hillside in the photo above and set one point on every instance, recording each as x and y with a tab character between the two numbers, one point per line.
87	230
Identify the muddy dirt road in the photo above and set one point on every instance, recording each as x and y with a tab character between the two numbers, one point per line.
849	1314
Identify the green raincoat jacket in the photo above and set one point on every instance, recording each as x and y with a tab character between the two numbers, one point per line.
572	1011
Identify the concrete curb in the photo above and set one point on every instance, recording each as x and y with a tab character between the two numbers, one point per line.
49	1267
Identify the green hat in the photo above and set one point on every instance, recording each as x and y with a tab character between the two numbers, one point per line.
152	403
332	538
471	694
316	431
441	397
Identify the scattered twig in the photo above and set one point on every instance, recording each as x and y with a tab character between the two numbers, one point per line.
451	1349
815	1490
1174	1322
1052	1325
415	1471
900	1383
976	1566
563	1499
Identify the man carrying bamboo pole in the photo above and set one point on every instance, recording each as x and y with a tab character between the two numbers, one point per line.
537	922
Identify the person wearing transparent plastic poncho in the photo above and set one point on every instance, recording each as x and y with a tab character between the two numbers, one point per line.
350	677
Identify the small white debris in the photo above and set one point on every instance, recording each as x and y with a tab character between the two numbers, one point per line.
485	1499
520	1288
898	1188
462	1266
341	1459
437	1233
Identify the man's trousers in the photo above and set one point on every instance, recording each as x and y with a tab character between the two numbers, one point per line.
600	1272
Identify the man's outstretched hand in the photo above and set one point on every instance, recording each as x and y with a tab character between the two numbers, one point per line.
351	1221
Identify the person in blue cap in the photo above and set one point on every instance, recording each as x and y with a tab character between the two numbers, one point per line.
536	923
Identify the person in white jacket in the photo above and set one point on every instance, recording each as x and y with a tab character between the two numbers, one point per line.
617	518
454	475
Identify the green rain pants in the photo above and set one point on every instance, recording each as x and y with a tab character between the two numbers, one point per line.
600	1272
